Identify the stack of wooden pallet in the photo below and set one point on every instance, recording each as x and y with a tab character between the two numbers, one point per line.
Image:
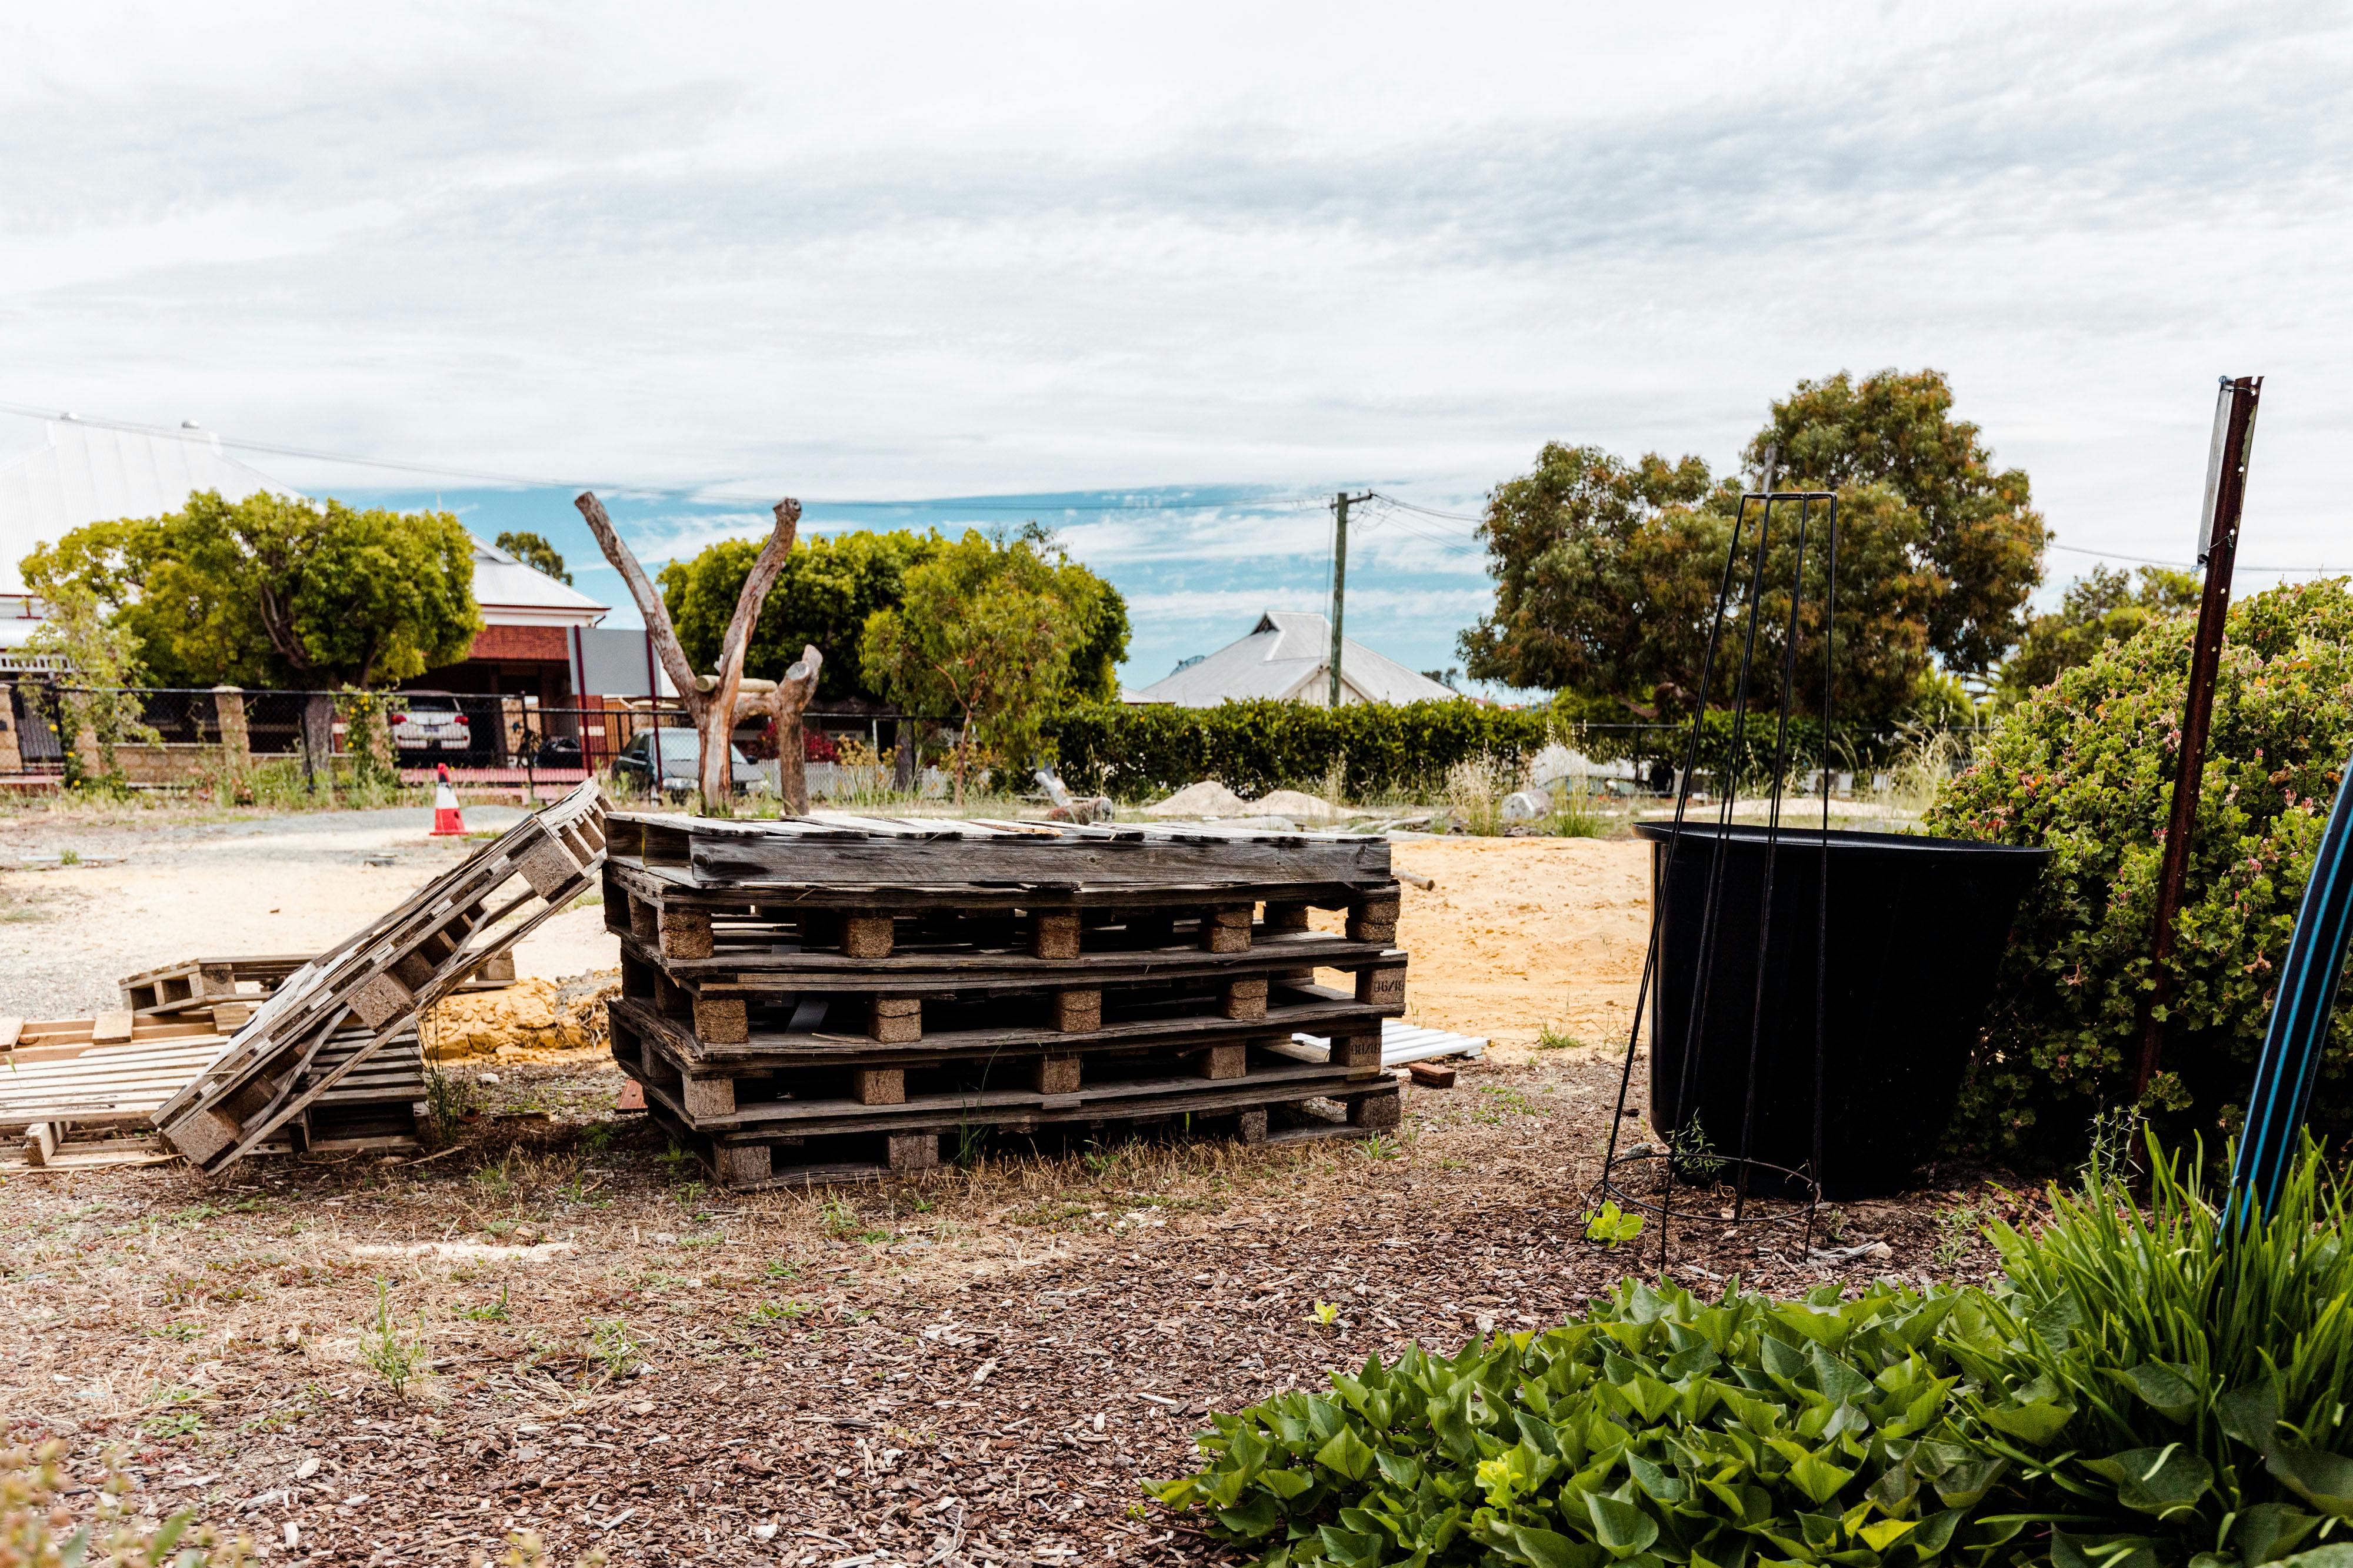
808	1001
336	1015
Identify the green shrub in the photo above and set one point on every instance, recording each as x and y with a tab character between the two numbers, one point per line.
1657	1428
2085	767
1132	752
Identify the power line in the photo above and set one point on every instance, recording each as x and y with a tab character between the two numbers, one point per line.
495	476
2189	566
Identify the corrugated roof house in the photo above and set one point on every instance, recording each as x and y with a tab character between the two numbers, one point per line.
1287	658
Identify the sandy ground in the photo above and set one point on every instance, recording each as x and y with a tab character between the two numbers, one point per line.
970	1371
149	892
1518	936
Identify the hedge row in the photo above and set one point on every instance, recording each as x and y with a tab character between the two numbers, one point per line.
1131	752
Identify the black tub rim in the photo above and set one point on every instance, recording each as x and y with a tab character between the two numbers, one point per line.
1849	841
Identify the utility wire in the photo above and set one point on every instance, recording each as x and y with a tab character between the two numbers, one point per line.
494	476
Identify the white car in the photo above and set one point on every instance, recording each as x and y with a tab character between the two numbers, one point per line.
426	722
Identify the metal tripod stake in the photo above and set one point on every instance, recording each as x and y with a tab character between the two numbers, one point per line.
1679	1125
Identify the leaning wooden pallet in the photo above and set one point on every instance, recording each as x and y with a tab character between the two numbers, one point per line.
822	998
380	978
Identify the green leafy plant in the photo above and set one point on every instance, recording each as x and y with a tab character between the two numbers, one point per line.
1610	1225
396	1355
2166	1392
1550	1039
609	1343
1656	1428
1957	1233
1323	1314
487	1311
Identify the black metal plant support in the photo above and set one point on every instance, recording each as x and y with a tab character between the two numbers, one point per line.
1678	1124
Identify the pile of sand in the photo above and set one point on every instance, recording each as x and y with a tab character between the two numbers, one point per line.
533	1018
1297	804
1207	798
1520	934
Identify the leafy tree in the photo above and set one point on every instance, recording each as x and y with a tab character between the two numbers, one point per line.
272	591
1607	579
831	587
535	552
982	630
827	588
1980	531
105	663
2105	607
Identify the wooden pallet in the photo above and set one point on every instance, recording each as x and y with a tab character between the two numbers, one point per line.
821	1031
840	850
63	1093
213	986
688	922
773	1155
379	979
886	1083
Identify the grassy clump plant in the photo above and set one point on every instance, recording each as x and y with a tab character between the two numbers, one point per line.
2138	1391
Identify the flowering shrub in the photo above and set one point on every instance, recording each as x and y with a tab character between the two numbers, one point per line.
2085	767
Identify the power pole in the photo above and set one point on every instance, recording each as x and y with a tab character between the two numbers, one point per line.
2218	548
1340	505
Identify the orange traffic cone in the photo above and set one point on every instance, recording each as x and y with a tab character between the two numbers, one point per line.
448	820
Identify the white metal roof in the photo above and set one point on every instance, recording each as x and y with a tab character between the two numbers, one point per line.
514	594
96	473
1287	656
89	473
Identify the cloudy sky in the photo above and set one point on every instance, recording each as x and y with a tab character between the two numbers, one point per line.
1167	276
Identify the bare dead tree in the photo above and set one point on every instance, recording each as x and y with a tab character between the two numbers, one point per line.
712	700
784	702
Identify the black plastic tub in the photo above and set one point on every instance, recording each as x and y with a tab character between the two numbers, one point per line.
1916	927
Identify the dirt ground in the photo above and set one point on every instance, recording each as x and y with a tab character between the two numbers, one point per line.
553	1323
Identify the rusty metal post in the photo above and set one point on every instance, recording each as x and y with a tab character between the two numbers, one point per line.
2218	547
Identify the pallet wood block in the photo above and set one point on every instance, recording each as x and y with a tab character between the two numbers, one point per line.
685	934
12	1029
867	936
1357	1050
1373	919
110	1027
1377	1110
1055	936
1077	1012
877	1086
1249	1127
1245	998
1227	930
721	1020
1285	916
896	1020
40	1143
745	1164
707	1097
1225	1061
1381	987
1055	1075
644	922
914	1150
